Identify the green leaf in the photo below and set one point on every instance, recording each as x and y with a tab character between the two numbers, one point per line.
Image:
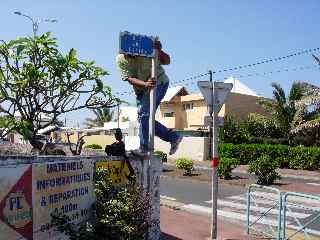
99	86
20	48
72	54
2	77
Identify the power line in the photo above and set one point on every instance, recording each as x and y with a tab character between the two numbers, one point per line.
269	60
277	71
240	67
250	65
190	78
299	68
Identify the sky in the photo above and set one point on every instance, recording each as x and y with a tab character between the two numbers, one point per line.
199	36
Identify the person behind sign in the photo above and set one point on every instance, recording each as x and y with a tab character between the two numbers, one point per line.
137	71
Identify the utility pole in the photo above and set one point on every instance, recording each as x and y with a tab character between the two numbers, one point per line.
35	22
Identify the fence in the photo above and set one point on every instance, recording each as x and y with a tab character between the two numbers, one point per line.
273	230
304	223
312	206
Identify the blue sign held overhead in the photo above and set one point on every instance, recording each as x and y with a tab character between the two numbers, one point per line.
136	44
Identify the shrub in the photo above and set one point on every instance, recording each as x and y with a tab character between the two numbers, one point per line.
286	156
186	165
226	165
233	131
93	146
119	213
304	158
163	156
262	126
265	169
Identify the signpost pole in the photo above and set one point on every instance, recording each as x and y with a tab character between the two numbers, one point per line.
153	102
215	161
214	94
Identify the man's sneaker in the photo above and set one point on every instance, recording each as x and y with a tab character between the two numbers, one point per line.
139	153
175	145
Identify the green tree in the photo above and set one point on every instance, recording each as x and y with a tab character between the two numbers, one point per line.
102	115
282	108
308	107
36	78
306	124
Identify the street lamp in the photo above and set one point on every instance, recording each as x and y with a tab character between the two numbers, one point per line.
35	22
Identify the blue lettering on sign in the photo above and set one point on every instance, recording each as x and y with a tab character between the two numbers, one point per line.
67	195
62	181
136	44
15	203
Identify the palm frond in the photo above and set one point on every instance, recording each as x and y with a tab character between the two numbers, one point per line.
279	93
307	125
297	91
308	100
102	115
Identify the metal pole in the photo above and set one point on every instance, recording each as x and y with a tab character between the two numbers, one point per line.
152	112
153	102
118	115
215	162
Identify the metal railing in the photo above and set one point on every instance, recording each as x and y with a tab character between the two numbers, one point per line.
273	232
282	204
298	225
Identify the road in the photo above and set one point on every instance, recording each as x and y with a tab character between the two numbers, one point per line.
195	197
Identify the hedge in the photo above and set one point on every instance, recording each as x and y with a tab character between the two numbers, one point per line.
93	146
288	157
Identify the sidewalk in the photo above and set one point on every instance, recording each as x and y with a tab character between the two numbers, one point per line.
289	173
180	225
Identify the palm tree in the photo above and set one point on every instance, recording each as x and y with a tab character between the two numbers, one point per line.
307	117
102	115
282	108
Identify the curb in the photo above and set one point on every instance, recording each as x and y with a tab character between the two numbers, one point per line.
171	204
283	175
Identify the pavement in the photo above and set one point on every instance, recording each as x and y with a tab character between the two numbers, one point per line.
176	225
205	166
182	218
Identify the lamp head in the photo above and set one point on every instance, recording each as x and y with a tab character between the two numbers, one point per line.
17	12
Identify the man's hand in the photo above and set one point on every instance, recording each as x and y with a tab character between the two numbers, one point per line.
150	83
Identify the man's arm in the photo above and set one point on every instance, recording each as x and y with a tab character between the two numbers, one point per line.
139	83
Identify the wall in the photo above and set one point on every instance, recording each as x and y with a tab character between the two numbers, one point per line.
195	116
240	105
102	140
195	148
31	188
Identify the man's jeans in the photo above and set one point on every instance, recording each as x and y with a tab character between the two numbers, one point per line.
143	104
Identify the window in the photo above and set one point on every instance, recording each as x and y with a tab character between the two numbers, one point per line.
168	114
188	106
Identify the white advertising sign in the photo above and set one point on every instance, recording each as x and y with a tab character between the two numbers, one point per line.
65	187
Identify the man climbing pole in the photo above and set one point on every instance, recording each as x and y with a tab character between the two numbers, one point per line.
137	71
